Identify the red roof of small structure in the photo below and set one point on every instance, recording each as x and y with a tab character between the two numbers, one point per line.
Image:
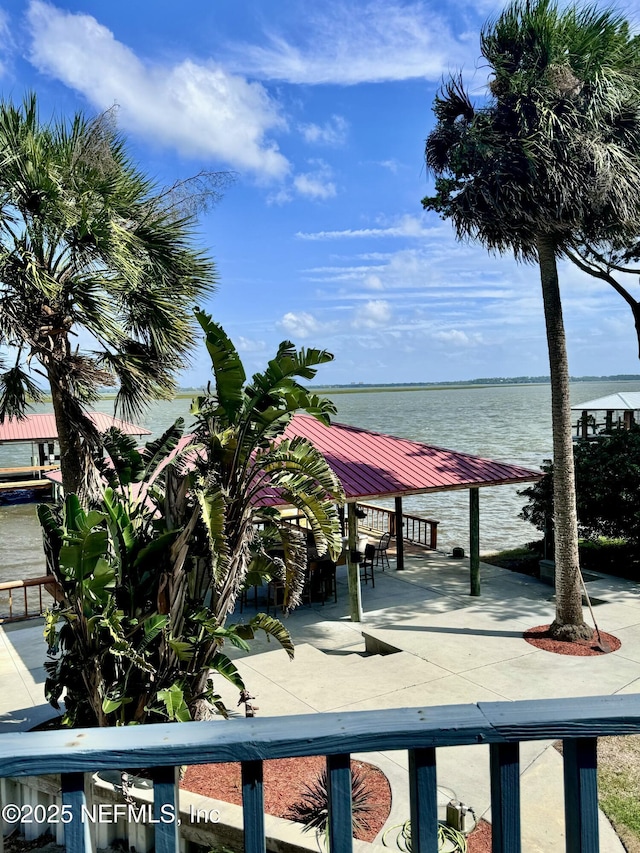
373	465
43	427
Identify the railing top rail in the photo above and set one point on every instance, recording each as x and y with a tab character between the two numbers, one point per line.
39	581
81	750
391	511
23	469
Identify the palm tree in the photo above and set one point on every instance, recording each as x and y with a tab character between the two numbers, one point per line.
548	159
98	276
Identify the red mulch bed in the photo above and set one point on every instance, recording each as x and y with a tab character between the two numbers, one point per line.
539	637
284	784
479	841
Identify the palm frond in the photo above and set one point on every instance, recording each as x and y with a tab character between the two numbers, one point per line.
17	392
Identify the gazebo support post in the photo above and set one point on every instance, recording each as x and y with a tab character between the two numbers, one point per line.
353	569
399	535
585	424
474	540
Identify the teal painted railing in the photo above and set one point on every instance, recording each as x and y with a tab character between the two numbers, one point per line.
420	731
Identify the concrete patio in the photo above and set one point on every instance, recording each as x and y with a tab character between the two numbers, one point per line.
452	649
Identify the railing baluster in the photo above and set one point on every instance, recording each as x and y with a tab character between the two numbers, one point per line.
423	800
339	789
165	807
505	797
581	795
253	807
77	838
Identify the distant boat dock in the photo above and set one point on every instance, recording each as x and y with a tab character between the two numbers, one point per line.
620	410
29	481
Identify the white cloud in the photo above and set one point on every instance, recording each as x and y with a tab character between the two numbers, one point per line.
380	41
282	196
303	325
249	345
332	132
373	282
199	109
406	226
7	45
374	313
316	184
456	338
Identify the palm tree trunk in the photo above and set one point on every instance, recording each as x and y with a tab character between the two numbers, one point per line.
76	436
569	623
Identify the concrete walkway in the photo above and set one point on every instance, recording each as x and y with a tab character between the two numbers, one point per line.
453	649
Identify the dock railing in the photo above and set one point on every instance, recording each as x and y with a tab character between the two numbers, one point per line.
501	726
29	595
415	528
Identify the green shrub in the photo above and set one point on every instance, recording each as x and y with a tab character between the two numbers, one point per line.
607	487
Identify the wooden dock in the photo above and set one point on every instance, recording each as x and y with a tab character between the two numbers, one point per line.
14	485
18	479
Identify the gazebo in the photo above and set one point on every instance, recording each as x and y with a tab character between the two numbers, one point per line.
374	465
627	402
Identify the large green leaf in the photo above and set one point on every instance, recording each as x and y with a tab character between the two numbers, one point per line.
100	583
226	365
184	650
158	545
73	514
153	625
274	628
213	512
156	452
121	533
222	664
79	556
174	702
123	464
52	537
274	395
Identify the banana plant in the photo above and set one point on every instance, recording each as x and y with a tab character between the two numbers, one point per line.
241	455
148	577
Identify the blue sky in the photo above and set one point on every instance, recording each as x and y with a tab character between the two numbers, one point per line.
321	110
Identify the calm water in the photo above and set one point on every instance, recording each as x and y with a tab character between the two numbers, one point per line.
510	424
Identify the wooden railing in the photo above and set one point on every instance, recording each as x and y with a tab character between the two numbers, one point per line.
415	528
27	469
420	731
31	598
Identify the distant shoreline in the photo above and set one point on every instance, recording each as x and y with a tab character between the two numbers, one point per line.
464	384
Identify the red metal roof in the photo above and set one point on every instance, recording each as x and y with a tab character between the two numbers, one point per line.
373	465
43	427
